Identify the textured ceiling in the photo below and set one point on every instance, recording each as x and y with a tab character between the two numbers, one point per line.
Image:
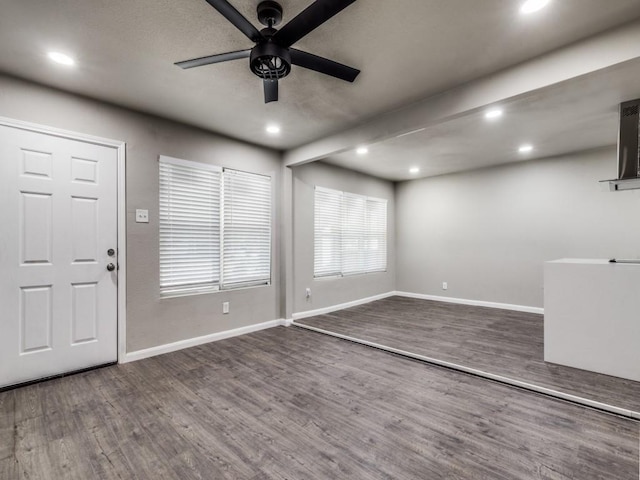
406	49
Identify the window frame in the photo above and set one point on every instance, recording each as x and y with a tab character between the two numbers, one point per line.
363	237
199	289
250	283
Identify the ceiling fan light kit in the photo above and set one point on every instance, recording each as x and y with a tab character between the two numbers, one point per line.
272	56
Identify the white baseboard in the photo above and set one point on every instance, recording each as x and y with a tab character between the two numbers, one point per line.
477	303
422	296
341	306
192	342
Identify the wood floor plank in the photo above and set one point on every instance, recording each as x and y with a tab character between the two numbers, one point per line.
9	469
7	428
501	342
291	404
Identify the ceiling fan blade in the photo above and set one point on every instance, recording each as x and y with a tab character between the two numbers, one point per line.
323	65
309	19
270	91
221	57
235	17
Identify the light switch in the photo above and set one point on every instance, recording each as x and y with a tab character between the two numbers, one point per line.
142	216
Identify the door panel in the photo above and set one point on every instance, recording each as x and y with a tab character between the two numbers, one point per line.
84	222
35	319
36	237
58	218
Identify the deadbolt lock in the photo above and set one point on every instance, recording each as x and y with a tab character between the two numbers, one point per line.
111	252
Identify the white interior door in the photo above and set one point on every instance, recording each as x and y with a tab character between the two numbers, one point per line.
58	219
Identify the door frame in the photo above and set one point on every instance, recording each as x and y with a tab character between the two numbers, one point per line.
120	147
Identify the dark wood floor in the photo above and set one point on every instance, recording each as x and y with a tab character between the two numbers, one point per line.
287	403
501	342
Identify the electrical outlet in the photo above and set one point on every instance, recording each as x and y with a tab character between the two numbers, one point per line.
142	216
308	292
225	307
444	285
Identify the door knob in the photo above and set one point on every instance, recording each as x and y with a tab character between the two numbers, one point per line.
111	267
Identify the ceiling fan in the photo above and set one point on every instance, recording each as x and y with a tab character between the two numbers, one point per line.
272	56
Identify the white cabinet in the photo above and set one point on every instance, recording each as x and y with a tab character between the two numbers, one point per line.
592	316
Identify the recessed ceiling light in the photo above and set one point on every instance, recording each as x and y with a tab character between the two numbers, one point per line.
61	58
273	129
414	170
525	148
531	6
362	150
493	114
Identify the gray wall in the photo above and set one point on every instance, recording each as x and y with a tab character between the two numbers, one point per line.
485	232
333	291
153	321
488	232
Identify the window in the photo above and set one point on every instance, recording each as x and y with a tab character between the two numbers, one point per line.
350	233
327	232
189	226
246	245
215	228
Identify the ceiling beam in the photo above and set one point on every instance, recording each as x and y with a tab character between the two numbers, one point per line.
595	53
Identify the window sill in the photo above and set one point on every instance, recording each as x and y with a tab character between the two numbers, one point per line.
345	275
190	293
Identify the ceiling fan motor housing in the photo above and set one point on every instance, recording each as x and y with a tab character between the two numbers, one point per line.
270	61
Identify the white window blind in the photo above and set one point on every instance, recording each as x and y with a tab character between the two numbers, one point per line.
350	233
376	235
246	239
189	226
354	223
328	232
